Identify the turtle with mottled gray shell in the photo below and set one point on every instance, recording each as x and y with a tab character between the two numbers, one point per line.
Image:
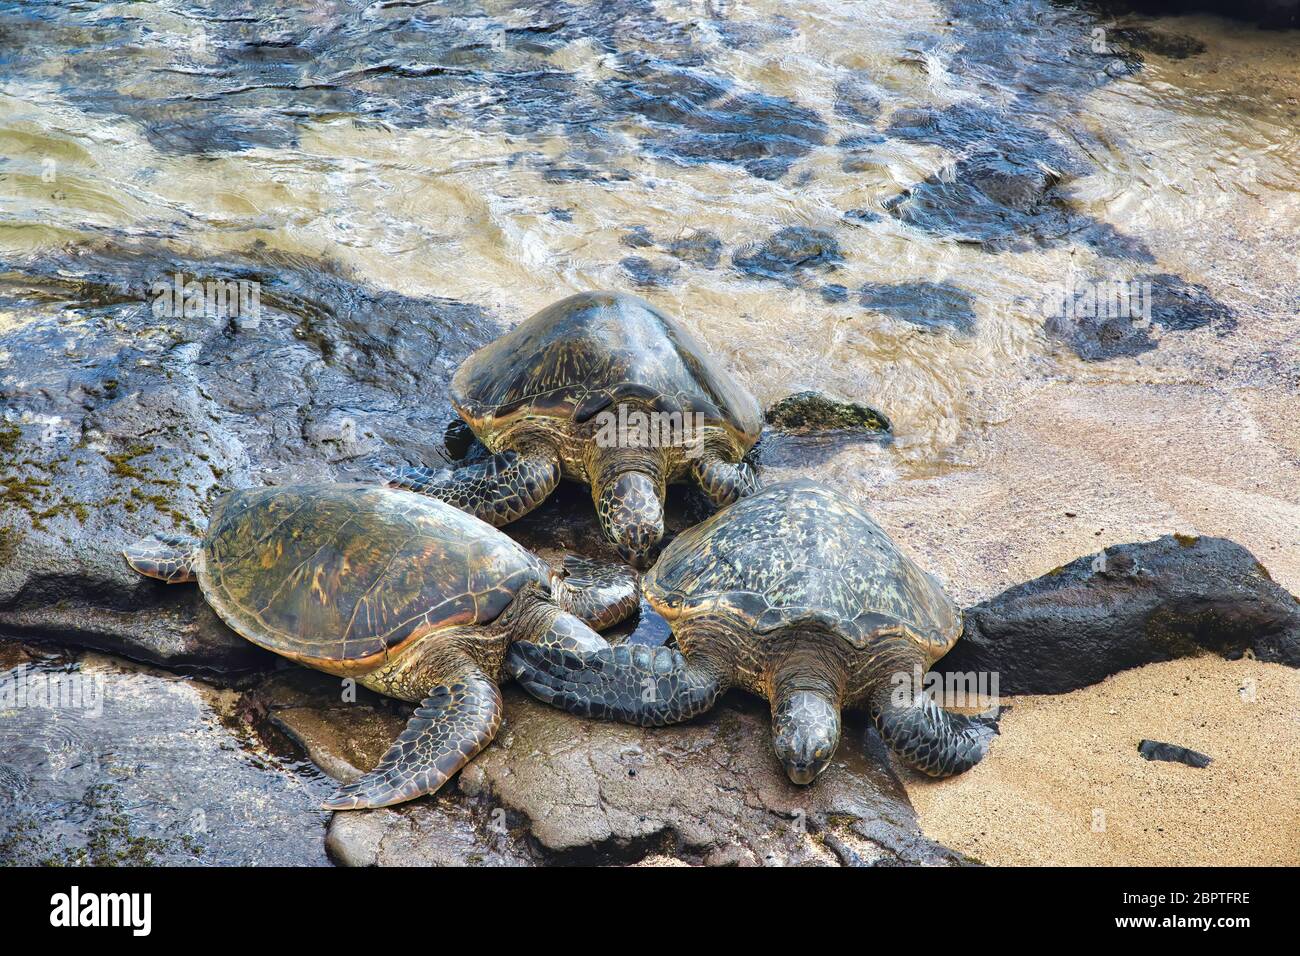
410	596
605	389
796	595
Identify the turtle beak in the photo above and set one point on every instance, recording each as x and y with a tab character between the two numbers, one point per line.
633	517
806	731
639	558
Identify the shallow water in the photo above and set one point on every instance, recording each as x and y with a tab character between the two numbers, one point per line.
508	154
872	199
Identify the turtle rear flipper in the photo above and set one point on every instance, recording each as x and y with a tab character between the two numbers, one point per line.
451	725
598	594
929	738
499	490
170	558
635	684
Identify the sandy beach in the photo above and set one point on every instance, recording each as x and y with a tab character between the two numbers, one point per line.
1064	783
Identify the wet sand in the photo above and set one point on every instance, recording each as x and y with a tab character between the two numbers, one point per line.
1064	783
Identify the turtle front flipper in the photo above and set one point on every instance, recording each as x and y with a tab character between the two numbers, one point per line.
170	558
598	594
451	725
499	490
724	481
929	738
635	684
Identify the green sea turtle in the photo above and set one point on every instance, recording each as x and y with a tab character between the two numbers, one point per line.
409	596
794	594
605	389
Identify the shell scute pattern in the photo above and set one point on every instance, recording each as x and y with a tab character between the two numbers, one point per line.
323	573
591	350
800	554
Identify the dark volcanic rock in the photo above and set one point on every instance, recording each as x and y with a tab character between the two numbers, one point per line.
933	305
856	97
160	771
1155	750
789	253
1176	46
700	247
1100	320
695	117
1003	193
119	421
556	788
1274	14
815	412
1129	605
646	273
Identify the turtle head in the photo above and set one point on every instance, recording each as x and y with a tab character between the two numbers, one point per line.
631	510
805	732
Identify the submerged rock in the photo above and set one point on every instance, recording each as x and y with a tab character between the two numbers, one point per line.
154	413
696	117
932	305
1155	750
815	412
700	247
789	253
1004	193
1103	319
646	273
1129	605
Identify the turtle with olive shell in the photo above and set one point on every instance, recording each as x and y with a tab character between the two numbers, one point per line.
411	597
601	388
794	594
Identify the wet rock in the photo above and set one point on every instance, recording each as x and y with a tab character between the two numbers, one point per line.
695	117
861	217
1274	14
646	273
1103	319
555	788
110	764
149	415
638	237
1003	193
834	293
862	154
700	247
788	254
1179	305
1126	606
856	97
427	834
932	305
814	412
1176	46
1155	750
